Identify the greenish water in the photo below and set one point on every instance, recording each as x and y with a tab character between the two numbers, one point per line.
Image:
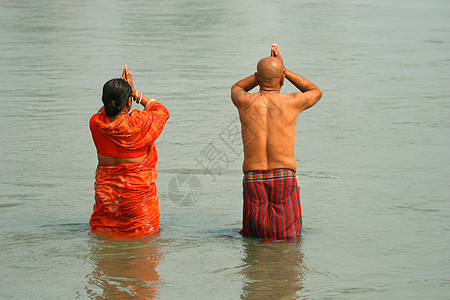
373	154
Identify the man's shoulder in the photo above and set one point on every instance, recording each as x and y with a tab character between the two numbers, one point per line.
242	98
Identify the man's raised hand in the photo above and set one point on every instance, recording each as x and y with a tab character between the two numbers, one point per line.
275	52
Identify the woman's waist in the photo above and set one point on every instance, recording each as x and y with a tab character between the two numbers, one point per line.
109	161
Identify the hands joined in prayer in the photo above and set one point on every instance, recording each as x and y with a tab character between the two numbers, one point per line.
275	52
126	75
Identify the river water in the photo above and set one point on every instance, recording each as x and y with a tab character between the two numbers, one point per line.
373	154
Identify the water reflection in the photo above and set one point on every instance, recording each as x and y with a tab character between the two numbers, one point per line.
273	270
123	267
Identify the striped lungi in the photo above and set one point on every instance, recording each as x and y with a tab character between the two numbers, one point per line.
272	208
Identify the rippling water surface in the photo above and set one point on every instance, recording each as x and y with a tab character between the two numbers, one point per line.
373	154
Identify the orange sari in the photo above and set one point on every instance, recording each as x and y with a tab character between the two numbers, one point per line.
126	199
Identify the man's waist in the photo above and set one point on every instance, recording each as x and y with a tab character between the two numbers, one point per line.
269	174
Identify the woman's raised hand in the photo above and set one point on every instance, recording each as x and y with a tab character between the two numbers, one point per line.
126	75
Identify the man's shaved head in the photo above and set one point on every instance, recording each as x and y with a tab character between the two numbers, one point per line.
270	71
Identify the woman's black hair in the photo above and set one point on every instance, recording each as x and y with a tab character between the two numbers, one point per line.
116	93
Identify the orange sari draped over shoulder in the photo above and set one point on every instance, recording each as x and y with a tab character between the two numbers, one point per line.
126	199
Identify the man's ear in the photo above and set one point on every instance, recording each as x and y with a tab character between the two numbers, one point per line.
282	78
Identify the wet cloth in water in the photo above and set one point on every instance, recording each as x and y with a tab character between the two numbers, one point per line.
126	198
272	208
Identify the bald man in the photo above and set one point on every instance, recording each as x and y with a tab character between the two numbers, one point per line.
272	208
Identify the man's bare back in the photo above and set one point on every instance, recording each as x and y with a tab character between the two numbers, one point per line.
269	118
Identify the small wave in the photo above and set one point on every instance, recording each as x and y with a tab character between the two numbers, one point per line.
5	205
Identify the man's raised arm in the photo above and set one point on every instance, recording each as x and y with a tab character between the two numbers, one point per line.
240	88
311	93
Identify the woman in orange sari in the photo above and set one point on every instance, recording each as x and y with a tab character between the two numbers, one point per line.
126	200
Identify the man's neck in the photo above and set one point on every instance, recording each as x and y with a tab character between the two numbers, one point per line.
269	90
